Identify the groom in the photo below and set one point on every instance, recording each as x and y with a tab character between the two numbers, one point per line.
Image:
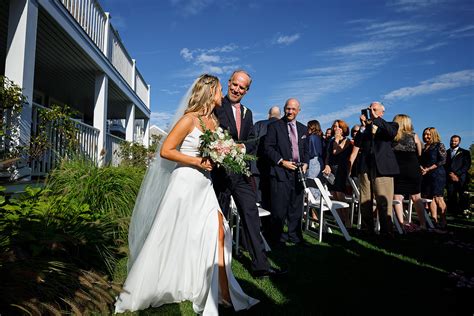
237	119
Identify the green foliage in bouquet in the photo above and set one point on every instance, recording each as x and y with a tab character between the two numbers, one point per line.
224	151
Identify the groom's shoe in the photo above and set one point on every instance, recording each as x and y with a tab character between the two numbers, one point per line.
271	272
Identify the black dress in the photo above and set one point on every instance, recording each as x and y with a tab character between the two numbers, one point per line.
434	182
339	166
408	181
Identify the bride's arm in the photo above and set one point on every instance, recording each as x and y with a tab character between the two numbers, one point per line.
176	136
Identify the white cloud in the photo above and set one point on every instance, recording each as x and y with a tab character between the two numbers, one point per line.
287	39
442	82
205	58
191	7
161	119
465	31
431	47
341	114
216	60
186	54
394	29
414	5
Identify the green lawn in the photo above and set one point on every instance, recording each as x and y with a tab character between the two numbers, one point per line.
411	274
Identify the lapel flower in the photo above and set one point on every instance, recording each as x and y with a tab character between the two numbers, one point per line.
245	111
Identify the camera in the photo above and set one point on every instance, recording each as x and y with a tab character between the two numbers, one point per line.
301	176
365	112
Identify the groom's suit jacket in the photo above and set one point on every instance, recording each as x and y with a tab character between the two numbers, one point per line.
226	118
278	146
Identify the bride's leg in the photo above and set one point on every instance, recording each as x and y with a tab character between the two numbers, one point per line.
223	282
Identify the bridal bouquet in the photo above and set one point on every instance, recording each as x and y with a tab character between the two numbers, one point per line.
224	151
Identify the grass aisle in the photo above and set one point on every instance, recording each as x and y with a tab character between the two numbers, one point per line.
414	273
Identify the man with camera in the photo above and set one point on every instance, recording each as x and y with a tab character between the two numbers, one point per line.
377	165
286	148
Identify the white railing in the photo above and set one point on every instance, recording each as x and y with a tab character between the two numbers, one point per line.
141	88
87	139
120	58
112	156
90	16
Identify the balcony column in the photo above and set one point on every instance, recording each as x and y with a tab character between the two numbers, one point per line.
107	44
130	123
20	59
134	75
148	97
100	113
146	134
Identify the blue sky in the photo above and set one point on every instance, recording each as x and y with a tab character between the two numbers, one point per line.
416	56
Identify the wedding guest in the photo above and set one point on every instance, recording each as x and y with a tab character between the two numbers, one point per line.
354	131
377	166
285	147
260	168
433	158
179	241
458	163
315	149
407	149
337	158
237	119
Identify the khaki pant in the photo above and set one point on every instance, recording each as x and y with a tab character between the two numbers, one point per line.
382	189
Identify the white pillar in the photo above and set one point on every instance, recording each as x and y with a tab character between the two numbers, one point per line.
20	59
130	123
134	75
107	45
100	113
146	135
148	104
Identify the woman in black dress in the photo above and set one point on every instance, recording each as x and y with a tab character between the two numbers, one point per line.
433	158
337	158
407	149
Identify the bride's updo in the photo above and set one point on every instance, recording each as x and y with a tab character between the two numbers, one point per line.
202	95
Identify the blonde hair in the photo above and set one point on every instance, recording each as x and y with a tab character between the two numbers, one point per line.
435	138
405	125
202	96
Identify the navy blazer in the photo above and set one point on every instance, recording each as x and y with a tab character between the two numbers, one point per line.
459	164
277	146
225	115
378	146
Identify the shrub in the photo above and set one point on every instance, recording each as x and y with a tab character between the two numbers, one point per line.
108	191
48	253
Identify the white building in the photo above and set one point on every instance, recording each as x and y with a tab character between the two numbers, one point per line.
67	52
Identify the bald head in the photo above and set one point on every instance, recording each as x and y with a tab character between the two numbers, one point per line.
274	112
378	108
292	108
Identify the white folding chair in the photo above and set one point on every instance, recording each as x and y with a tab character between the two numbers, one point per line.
410	211
324	204
354	182
234	216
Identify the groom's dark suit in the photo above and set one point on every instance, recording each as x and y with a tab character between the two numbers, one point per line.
286	191
239	186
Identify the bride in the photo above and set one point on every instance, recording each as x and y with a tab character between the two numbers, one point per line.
180	243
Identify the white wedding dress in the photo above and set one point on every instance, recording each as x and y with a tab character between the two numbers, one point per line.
179	259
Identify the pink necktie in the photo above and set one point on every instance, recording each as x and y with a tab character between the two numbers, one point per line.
294	142
237	118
